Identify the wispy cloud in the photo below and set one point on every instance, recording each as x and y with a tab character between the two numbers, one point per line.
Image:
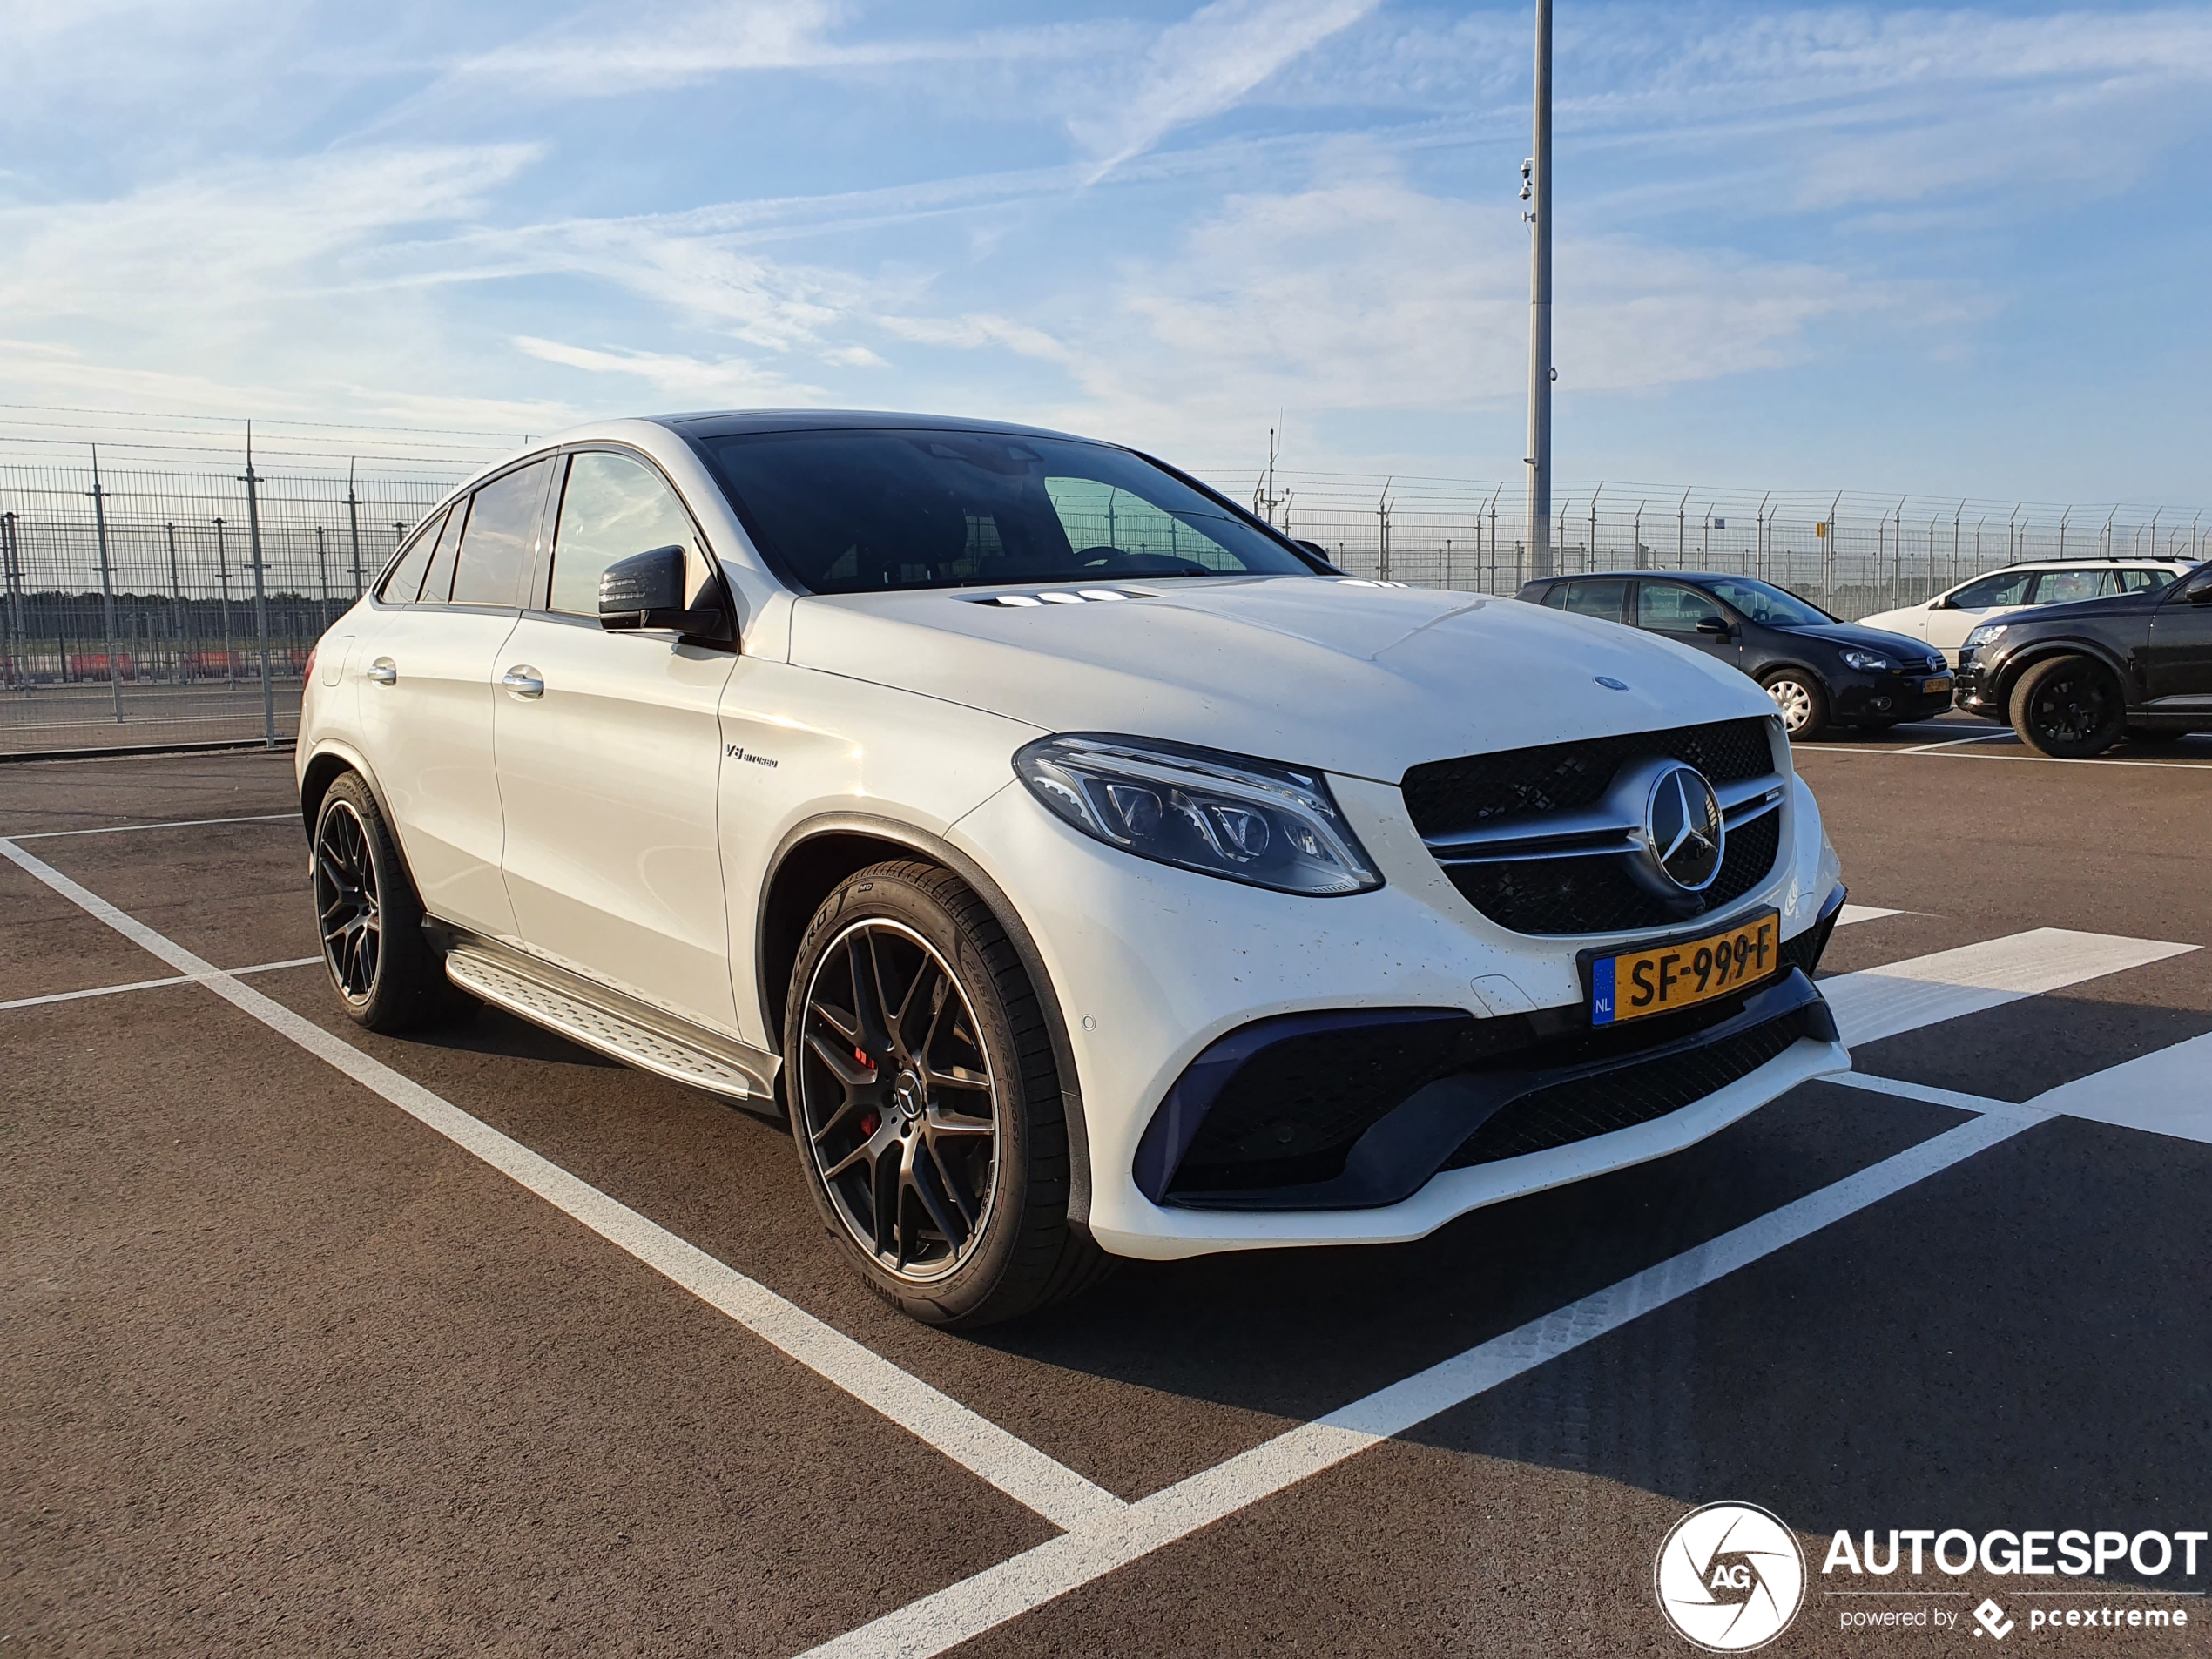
686	379
1364	293
610	49
1204	65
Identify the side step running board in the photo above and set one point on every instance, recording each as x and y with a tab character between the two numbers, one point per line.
648	1044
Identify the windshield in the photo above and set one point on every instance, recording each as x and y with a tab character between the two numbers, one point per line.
872	511
1761	602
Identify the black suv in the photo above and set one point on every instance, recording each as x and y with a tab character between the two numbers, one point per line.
2074	679
1816	668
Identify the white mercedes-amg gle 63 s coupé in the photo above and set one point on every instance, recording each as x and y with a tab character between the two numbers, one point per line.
1083	867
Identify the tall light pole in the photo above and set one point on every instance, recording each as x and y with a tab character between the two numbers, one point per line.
1537	190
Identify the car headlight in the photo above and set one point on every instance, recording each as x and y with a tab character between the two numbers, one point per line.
1866	662
1985	633
1223	814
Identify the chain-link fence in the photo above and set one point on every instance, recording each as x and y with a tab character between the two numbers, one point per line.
154	608
1849	553
157	600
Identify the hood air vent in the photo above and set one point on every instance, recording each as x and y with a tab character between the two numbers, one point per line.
1060	596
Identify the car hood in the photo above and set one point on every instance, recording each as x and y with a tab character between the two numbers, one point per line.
1345	675
2118	604
1856	636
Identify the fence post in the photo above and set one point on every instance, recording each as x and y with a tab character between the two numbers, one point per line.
353	525
252	481
322	575
223	579
19	644
107	588
176	608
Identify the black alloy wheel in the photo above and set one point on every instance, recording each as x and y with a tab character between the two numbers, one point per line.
928	1102
346	910
900	1109
2069	708
385	969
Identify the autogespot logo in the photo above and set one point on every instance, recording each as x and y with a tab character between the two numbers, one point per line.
1730	1577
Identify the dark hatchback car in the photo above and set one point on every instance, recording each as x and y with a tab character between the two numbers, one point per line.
2074	679
1818	670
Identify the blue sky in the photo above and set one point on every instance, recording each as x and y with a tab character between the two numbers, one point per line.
1951	250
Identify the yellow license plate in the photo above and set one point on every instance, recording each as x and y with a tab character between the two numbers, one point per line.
1667	978
1934	685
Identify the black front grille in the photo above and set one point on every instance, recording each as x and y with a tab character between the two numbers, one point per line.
1448	797
1623	1098
1596	895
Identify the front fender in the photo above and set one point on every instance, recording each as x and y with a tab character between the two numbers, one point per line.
962	864
2042	650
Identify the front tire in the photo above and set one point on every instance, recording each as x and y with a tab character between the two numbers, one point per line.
925	1101
384	970
1801	700
2069	708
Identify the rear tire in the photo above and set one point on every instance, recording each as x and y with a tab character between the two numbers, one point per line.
385	971
1801	700
2069	708
925	1101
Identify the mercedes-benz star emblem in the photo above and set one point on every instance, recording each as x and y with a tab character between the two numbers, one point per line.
1682	829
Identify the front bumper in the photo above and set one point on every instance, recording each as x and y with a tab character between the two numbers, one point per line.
1151	966
1891	697
1976	692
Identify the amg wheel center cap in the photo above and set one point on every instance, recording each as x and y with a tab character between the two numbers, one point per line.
906	1095
1682	829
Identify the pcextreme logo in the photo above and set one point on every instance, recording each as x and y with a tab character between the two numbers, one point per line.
1730	1577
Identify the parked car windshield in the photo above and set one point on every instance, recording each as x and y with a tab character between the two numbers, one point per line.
875	510
1762	603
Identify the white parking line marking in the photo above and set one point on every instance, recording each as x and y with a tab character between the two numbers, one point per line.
1012	1464
1945	752
1955	743
1027	1580
2166	1093
1852	912
150	984
181	823
1922	990
1925	1092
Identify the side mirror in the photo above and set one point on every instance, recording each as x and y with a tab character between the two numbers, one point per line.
2200	594
1320	553
646	590
1716	626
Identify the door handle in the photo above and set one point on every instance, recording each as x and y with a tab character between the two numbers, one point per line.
523	682
383	673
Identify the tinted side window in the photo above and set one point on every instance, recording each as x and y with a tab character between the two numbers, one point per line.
1602	598
1554	596
501	537
2006	588
1672	610
406	580
614	508
437	585
2142	581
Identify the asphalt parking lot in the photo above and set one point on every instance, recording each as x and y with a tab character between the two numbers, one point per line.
325	1342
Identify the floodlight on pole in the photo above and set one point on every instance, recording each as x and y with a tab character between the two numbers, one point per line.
1537	191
